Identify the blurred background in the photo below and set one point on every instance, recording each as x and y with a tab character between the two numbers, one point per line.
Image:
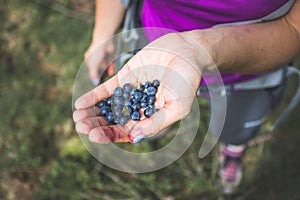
42	43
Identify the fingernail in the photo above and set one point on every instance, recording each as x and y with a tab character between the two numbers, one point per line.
138	139
130	138
95	82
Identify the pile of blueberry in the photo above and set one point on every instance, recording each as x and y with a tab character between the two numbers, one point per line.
128	102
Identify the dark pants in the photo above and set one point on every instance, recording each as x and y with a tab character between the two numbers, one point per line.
245	112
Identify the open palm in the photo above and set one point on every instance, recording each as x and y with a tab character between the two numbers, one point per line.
179	81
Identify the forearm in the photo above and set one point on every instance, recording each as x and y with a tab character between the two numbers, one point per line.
252	48
108	17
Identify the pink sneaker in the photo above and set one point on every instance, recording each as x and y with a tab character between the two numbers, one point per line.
230	170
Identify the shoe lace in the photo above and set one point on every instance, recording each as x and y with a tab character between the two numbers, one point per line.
231	167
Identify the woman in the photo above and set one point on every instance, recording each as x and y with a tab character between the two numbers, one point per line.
239	50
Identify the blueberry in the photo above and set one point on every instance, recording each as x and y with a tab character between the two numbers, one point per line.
118	101
116	121
151	100
109	117
155	83
140	87
151	90
127	87
144	97
127	102
136	106
118	111
126	95
118	92
144	104
147	84
137	95
132	91
135	116
148	112
104	110
108	101
134	101
127	110
123	121
152	106
101	103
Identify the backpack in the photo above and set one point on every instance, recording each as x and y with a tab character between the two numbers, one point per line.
131	36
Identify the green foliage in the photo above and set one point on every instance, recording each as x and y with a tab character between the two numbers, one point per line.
41	155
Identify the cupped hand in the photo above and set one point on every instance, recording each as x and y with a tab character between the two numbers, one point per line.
170	59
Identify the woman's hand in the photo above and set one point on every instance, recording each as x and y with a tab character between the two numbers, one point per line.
108	17
97	58
172	60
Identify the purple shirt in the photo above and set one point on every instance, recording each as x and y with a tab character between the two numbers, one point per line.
185	15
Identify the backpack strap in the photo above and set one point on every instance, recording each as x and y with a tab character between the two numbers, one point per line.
125	3
295	100
274	15
268	80
130	35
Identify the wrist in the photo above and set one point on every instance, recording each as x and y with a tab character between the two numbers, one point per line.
101	37
203	44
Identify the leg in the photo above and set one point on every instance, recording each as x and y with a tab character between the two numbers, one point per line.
245	113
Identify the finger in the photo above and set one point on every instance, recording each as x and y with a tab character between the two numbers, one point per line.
93	60
81	114
110	48
110	69
99	93
108	134
157	122
86	125
106	89
93	73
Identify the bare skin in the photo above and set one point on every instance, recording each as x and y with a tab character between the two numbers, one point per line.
106	24
249	49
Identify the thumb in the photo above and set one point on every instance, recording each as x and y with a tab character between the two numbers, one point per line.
93	70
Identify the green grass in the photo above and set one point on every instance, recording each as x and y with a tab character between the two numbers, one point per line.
42	156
